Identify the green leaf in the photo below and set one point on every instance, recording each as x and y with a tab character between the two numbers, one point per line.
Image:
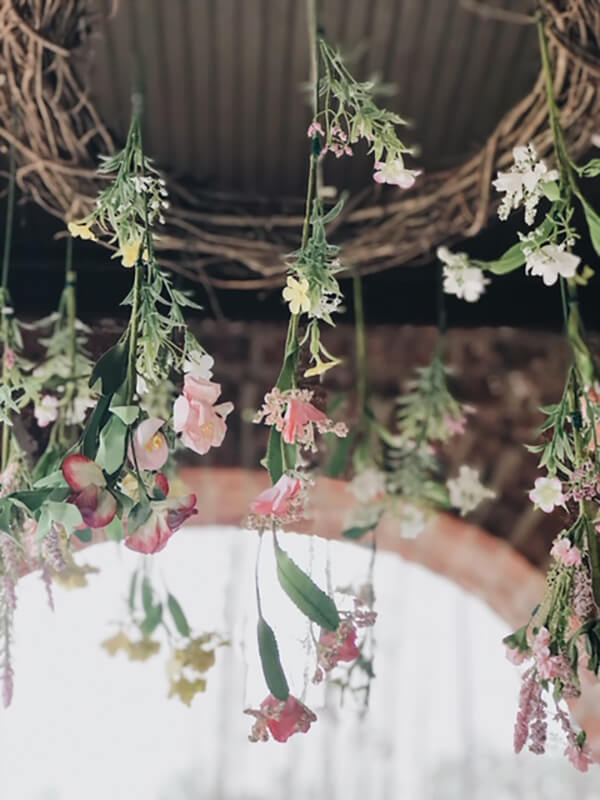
147	595
271	663
591	169
335	211
90	437
111	449
304	592
139	514
66	514
593	221
511	260
274	458
127	414
132	589
152	620
358	531
114	530
339	460
594	556
178	616
111	369
47	463
32	499
84	535
53	480
551	191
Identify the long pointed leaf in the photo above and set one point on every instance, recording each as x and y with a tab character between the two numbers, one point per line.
271	663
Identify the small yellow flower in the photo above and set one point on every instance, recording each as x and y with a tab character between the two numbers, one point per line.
187	690
129	252
130	487
142	650
296	294
73	576
320	367
115	643
81	230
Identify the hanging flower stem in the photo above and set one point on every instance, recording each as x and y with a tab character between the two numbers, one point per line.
5	310
361	349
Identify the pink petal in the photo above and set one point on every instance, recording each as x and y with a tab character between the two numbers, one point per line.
151	537
162	483
181	410
102	513
200	390
80	472
154	458
182	509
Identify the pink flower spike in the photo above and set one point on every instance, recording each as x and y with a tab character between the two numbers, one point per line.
580	757
276	501
149	445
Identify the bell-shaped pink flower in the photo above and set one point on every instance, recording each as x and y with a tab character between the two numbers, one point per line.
195	415
94	501
277	501
149	445
166	518
297	414
281	718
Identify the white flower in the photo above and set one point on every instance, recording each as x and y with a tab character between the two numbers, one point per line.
46	411
547	493
549	262
327	304
367	485
467	491
523	184
412	522
461	278
76	414
395	172
141	386
199	365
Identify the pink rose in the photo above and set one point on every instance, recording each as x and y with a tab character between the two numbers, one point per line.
94	501
277	501
195	415
149	445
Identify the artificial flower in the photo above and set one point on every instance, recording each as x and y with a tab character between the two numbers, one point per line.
150	450
199	365
412	521
10	358
394	172
516	656
314	128
461	277
320	366
547	494
94	501
296	295
165	518
550	261
130	252
466	490
46	411
566	553
336	646
524	183
195	415
76	411
81	230
278	500
280	718
367	484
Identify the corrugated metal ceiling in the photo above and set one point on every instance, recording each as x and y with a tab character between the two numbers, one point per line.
224	80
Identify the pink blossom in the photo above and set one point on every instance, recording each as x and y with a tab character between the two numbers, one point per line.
565	552
313	129
277	501
281	718
46	411
455	426
149	445
166	517
548	666
336	646
580	757
10	358
195	415
516	656
94	501
297	416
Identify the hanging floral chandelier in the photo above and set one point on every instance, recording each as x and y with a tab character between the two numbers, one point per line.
109	467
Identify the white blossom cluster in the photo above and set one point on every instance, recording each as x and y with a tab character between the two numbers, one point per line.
524	183
461	277
466	490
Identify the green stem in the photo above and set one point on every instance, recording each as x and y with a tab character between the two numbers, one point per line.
10	209
133	336
361	347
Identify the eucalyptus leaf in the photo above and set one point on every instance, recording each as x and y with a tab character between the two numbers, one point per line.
274	457
111	448
593	221
147	595
152	620
304	592
271	663
512	259
358	531
94	423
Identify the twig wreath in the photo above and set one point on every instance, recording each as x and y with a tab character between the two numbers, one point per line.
109	466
